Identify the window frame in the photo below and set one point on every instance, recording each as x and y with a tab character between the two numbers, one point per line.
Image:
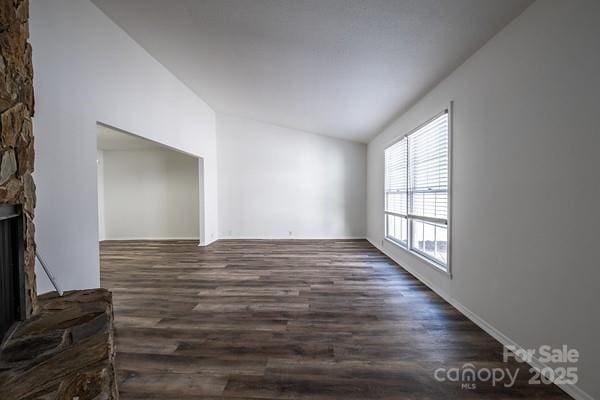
408	246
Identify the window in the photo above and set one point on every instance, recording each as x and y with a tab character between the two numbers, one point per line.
416	191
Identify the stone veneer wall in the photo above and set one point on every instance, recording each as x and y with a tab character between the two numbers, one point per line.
16	138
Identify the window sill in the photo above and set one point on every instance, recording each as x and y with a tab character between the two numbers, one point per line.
442	269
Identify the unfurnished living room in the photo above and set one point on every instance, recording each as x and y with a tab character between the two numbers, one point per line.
299	199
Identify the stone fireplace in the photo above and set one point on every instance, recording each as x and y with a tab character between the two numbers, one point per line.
17	189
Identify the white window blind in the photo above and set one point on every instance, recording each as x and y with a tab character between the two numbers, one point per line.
416	190
396	191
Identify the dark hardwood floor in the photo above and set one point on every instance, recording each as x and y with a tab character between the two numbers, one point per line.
289	320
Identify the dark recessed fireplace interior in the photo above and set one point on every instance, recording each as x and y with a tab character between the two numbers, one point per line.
11	266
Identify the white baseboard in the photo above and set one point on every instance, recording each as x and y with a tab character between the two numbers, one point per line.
279	238
572	390
238	238
149	238
201	244
276	237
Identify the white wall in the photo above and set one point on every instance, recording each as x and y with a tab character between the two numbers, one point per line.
150	194
526	185
275	180
100	180
88	70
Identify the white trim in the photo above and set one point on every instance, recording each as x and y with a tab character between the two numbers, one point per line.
149	238
450	223
572	390
207	243
282	237
274	237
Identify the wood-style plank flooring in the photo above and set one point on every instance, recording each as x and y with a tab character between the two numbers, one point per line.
288	320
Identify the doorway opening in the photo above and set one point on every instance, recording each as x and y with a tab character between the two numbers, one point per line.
146	190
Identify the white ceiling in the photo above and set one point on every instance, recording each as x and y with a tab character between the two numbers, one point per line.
112	139
342	68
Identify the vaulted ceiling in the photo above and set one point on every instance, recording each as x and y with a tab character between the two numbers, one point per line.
343	68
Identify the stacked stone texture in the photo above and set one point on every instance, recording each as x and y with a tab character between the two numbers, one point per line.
16	135
65	351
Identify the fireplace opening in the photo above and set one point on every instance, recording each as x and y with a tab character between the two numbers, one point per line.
11	267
